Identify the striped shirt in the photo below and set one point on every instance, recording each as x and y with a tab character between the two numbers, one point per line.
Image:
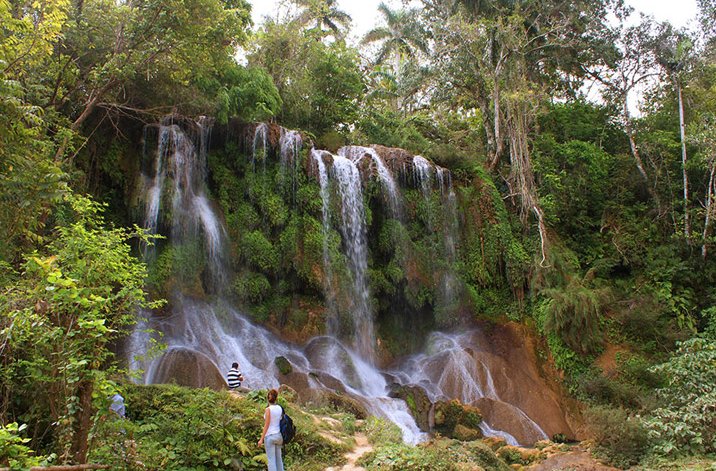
234	378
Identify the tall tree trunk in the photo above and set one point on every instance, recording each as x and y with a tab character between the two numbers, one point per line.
83	422
496	122
632	142
682	131
637	155
709	205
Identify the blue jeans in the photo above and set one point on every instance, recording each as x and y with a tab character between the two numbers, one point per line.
273	445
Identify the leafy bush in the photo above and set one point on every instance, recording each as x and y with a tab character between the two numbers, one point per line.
13	451
610	391
619	437
442	455
58	322
685	421
173	428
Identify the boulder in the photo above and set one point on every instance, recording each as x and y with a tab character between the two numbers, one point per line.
451	414
417	400
190	368
504	416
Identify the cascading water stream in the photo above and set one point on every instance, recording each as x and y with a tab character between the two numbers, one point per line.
423	175
356	153
353	229
317	156
260	144
181	163
290	146
218	332
450	287
452	368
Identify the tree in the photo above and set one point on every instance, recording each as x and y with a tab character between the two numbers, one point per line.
401	37
29	180
674	55
325	15
58	322
132	57
505	59
623	75
320	84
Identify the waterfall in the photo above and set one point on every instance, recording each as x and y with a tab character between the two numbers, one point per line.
176	203
354	233
449	288
290	145
260	142
179	172
356	153
453	367
449	294
326	213
422	171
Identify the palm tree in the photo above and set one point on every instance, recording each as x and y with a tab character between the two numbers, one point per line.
401	35
325	15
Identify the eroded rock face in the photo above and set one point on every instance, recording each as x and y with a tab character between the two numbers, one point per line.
396	159
509	353
189	368
495	368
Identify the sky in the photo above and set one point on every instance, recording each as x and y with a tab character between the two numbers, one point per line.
365	12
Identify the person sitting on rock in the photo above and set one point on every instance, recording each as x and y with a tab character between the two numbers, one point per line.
234	377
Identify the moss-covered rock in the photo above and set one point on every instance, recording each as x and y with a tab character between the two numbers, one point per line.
418	403
442	455
519	455
283	365
451	414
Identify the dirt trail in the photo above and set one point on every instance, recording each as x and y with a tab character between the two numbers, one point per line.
362	447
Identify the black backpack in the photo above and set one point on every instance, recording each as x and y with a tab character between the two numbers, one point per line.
288	430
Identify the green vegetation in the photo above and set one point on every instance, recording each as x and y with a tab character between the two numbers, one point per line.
450	455
169	427
581	220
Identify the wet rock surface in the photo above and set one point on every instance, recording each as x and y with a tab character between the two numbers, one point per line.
418	402
189	368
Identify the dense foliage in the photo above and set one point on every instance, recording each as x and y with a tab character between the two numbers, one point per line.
173	428
589	221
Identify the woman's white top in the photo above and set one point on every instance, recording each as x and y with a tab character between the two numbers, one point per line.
275	411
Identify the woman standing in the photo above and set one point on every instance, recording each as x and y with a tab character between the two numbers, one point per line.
272	433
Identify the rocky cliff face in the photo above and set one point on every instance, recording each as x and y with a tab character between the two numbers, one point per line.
367	259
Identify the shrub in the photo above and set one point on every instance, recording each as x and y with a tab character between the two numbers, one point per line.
685	421
619	437
13	451
607	391
442	455
175	428
380	431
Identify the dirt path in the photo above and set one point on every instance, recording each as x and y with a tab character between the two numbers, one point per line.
362	447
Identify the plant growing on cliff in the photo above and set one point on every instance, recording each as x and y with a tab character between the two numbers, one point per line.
573	304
